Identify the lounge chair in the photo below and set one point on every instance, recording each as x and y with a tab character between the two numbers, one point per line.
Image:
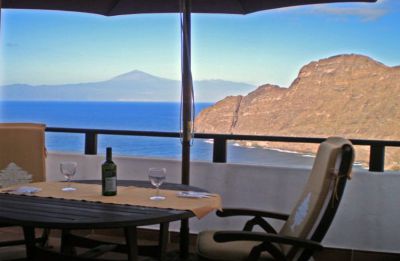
304	227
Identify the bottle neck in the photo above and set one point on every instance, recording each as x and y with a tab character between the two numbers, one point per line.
109	154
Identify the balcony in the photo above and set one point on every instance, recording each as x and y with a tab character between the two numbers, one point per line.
366	223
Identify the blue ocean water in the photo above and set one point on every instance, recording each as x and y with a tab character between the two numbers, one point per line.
131	116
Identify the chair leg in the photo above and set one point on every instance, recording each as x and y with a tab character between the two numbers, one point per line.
44	239
12	243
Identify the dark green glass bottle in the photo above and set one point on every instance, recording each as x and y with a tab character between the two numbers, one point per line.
109	175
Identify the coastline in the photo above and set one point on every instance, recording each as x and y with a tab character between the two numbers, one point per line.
310	150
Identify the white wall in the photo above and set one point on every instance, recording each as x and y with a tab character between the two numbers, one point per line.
368	217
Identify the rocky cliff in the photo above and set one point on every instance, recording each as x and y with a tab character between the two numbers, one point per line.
346	95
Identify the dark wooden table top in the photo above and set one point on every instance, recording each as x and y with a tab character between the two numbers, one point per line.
75	214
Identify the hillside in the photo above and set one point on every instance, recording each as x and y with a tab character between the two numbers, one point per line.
346	95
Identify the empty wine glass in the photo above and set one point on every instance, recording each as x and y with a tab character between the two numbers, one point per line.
157	177
68	169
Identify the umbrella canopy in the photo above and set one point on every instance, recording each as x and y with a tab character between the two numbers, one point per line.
186	7
120	7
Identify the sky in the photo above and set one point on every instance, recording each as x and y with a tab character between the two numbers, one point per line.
52	47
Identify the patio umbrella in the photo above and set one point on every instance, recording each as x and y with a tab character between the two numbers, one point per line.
122	7
186	7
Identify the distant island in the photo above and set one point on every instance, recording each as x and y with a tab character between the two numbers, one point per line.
346	95
132	86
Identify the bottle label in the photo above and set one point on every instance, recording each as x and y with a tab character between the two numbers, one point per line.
110	184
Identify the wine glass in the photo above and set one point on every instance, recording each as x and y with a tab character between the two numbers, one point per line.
68	169
157	177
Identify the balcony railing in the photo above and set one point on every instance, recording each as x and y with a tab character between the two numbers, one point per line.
377	147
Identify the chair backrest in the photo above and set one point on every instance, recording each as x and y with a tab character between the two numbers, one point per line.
314	211
22	150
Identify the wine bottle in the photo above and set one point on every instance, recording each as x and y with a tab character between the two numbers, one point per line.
109	175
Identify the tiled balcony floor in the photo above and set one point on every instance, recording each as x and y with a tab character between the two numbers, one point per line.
17	253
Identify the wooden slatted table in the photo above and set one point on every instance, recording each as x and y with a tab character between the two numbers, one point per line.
38	212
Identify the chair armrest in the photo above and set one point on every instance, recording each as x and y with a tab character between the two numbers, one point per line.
225	236
227	212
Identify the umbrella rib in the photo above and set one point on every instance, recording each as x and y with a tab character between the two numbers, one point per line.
112	7
241	4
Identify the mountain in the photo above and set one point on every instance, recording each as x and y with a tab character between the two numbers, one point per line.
347	95
132	86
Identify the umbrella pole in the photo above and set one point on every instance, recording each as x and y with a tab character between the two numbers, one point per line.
186	117
186	93
0	18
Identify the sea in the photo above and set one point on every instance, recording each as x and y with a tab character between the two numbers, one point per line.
144	116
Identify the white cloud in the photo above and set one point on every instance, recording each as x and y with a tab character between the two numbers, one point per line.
12	45
365	13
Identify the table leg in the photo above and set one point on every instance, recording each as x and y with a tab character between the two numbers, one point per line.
184	239
44	240
29	234
66	245
163	241
131	243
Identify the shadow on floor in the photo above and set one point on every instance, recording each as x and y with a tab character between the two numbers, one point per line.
17	253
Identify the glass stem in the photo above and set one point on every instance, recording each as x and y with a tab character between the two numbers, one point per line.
158	192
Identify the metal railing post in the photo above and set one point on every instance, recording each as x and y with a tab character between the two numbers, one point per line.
90	143
377	158
219	150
